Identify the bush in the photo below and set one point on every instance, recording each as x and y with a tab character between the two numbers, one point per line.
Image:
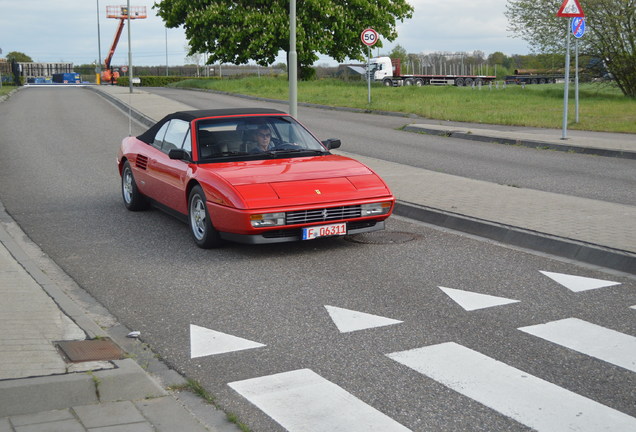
151	81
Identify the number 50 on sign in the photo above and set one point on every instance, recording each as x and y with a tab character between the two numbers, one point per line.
369	37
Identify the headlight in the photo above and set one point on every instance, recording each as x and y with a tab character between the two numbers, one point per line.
267	220
375	209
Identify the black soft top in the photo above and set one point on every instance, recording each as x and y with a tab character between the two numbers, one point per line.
188	116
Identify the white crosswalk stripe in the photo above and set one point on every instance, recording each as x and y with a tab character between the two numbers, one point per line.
591	339
302	400
527	399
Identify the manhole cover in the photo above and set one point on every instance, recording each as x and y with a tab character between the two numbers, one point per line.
91	350
383	237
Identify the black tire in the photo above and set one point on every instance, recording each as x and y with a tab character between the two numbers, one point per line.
133	199
459	82
203	232
387	82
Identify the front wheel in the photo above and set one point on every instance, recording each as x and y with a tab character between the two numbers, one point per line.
204	234
133	199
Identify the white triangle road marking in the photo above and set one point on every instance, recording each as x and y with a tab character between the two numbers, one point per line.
471	301
349	320
578	283
205	342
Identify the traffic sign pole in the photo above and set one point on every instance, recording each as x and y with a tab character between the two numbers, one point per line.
578	29
569	9
369	72
564	128
369	37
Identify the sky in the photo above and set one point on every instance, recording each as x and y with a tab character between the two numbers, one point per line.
66	31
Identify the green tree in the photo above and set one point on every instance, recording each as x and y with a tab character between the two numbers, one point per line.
237	31
610	33
399	52
497	58
18	56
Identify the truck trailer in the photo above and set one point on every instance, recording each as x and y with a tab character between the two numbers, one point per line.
388	71
535	76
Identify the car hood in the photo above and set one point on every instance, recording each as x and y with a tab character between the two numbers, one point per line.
301	181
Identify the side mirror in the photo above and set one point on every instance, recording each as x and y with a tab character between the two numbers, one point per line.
179	154
332	143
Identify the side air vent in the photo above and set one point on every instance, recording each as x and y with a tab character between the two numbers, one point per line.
141	162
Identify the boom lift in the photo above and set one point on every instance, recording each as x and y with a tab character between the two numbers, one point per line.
120	13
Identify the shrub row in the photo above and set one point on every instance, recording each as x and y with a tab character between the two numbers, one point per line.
154	81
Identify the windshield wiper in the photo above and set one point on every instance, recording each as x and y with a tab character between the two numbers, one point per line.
287	151
230	153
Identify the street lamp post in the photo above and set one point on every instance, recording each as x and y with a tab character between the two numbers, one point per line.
292	74
130	66
98	69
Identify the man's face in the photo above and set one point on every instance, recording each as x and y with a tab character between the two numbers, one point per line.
263	137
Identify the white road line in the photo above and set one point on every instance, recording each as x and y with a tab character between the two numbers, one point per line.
525	398
590	339
302	400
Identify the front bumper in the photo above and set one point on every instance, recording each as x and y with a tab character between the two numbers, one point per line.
295	234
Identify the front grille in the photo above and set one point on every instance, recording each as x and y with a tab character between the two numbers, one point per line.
282	233
322	215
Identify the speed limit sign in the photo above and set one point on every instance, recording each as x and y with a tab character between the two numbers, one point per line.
369	37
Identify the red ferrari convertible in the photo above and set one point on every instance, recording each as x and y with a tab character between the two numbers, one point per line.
250	176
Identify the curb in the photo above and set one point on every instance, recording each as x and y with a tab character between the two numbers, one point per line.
515	236
126	381
32	395
141	118
525	143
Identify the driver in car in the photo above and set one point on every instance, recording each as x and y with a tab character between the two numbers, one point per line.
263	138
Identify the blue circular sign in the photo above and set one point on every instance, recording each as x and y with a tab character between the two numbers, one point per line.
578	26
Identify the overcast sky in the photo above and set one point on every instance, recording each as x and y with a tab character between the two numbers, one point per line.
56	30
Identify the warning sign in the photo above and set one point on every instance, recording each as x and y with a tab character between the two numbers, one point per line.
571	9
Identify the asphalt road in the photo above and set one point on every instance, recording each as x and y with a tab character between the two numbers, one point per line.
588	176
58	181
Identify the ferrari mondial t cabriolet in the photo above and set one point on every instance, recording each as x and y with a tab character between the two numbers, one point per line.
250	176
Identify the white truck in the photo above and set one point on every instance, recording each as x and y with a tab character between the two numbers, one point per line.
388	71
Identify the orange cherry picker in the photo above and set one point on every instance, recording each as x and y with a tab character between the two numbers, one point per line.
109	74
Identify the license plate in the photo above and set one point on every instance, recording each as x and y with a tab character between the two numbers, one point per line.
324	231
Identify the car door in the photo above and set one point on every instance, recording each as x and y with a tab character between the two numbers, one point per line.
168	176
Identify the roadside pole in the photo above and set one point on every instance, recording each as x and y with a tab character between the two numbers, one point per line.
576	80
578	29
566	91
369	37
369	73
569	9
292	73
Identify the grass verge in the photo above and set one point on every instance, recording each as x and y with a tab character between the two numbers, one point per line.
601	105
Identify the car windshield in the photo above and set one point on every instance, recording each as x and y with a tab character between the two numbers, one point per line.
258	137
